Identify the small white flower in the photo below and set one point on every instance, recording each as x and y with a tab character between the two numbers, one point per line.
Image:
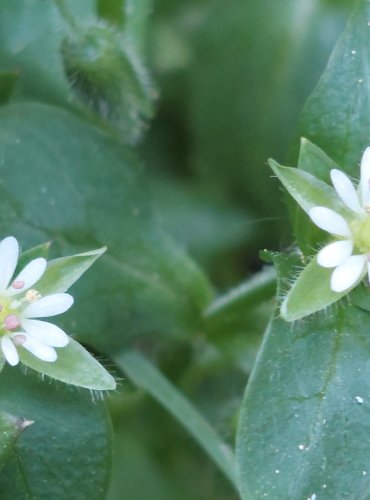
349	254
20	305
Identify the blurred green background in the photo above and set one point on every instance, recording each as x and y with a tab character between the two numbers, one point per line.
232	79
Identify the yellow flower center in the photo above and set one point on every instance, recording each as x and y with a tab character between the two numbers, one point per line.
361	234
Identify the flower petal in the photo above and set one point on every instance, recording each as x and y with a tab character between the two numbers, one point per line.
40	350
9	350
365	177
28	276
44	332
9	252
345	190
335	253
330	221
51	305
347	274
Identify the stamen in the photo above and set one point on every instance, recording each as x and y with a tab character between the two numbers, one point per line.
11	322
18	285
32	295
19	339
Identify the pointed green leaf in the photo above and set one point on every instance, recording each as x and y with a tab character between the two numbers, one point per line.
310	293
337	115
304	424
308	191
75	366
146	376
62	273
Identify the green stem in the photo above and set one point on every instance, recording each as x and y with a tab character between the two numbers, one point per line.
146	376
259	288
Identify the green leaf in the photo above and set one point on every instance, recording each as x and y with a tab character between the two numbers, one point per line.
66	453
62	273
74	366
308	191
337	115
144	284
304	424
310	293
146	376
10	429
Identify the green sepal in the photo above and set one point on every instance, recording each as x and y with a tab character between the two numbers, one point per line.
310	293
31	254
308	191
74	366
62	273
315	161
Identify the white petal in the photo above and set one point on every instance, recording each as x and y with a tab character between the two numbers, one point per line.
345	190
330	221
365	177
44	332
9	252
347	274
40	350
29	276
9	350
335	253
51	305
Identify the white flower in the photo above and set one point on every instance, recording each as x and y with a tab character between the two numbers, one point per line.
20	305
349	254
